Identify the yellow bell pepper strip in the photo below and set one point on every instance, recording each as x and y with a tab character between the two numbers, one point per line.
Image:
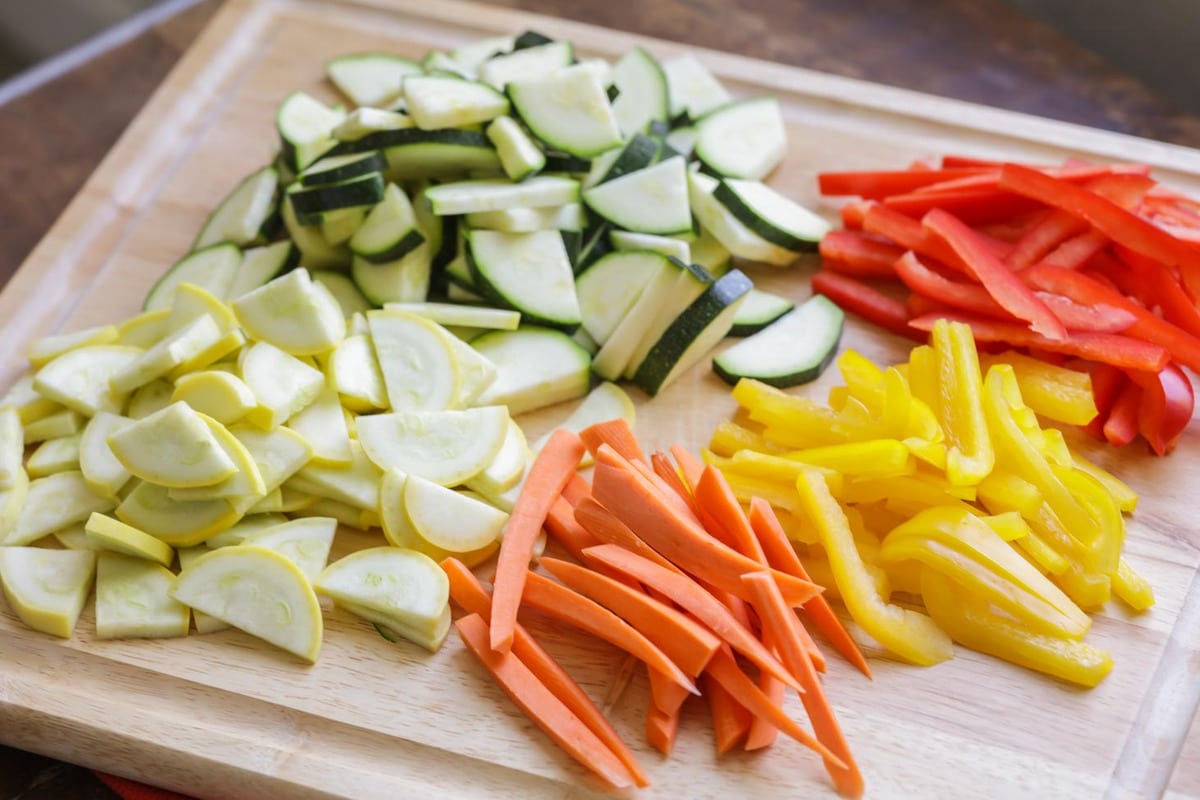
907	633
729	438
1054	392
1110	525
798	421
1014	452
1132	588
1043	556
905	495
963	547
932	453
821	572
1126	497
1055	449
896	413
923	377
970	455
1005	487
971	624
905	576
874	458
773	468
1088	589
1008	526
864	380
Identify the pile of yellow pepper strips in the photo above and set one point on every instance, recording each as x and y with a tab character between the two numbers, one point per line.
933	503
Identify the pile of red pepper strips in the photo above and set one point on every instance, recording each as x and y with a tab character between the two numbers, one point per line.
1097	267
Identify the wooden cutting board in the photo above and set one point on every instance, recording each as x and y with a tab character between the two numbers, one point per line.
224	716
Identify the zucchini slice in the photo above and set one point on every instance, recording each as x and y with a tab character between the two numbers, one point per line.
728	229
363	121
692	88
404	280
529	272
643	91
793	350
335	169
47	589
416	360
497	194
293	313
462	316
344	291
315	250
370	79
133	600
693	333
390	230
759	310
568	110
242	215
567	217
745	139
312	204
469	57
212	268
650	200
438	101
667	245
608	289
690	283
537	367
778	219
614	356
639	152
519	154
306	129
445	447
260	266
530	62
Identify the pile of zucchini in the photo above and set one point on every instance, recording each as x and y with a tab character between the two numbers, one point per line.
604	201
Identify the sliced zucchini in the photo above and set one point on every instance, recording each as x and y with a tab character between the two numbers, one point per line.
745	139
691	282
54	455
306	542
667	245
530	39
519	155
52	503
776	218
282	383
47	589
242	215
450	520
709	253
306	129
692	88
462	316
446	447
179	523
278	453
390	231
693	333
293	313
312	204
568	217
639	152
323	426
133	600
414	154
371	79
416	359
643	91
220	395
728	229
606	402
531	62
759	310
212	268
344	291
594	243
608	289
651	200
355	484
106	533
438	101
102	472
339	226
529	272
470	57
259	266
465	197
174	447
537	367
81	379
363	121
617	349
569	110
793	350
335	169
354	372
567	164
404	280
12	445
682	140
315	251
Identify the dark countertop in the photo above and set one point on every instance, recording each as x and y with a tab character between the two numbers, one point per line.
983	51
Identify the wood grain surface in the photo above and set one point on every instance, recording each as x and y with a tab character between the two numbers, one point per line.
223	716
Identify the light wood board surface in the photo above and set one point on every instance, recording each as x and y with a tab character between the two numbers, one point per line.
224	716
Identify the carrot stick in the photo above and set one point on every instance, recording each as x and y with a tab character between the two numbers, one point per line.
665	470
694	599
605	527
469	593
762	733
558	601
731	721
781	556
724	670
782	623
617	434
576	489
632	499
685	641
561	524
689	466
684	507
714	496
661	729
550	471
541	706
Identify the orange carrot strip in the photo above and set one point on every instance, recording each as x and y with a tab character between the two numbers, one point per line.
670	476
469	593
762	733
685	641
665	694
615	433
661	729
576	489
669	494
541	706
691	597
567	605
561	524
633	500
605	526
690	466
782	622
726	672
731	721
783	557
814	652
714	495
550	471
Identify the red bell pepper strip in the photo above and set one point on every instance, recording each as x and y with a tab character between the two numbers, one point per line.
1005	287
1117	223
1107	382
967	296
1170	209
1182	346
1163	290
859	254
869	303
1077	173
1076	251
1097	318
972	206
1053	229
909	234
1121	427
852	215
1166	407
1110	348
956	161
875	185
